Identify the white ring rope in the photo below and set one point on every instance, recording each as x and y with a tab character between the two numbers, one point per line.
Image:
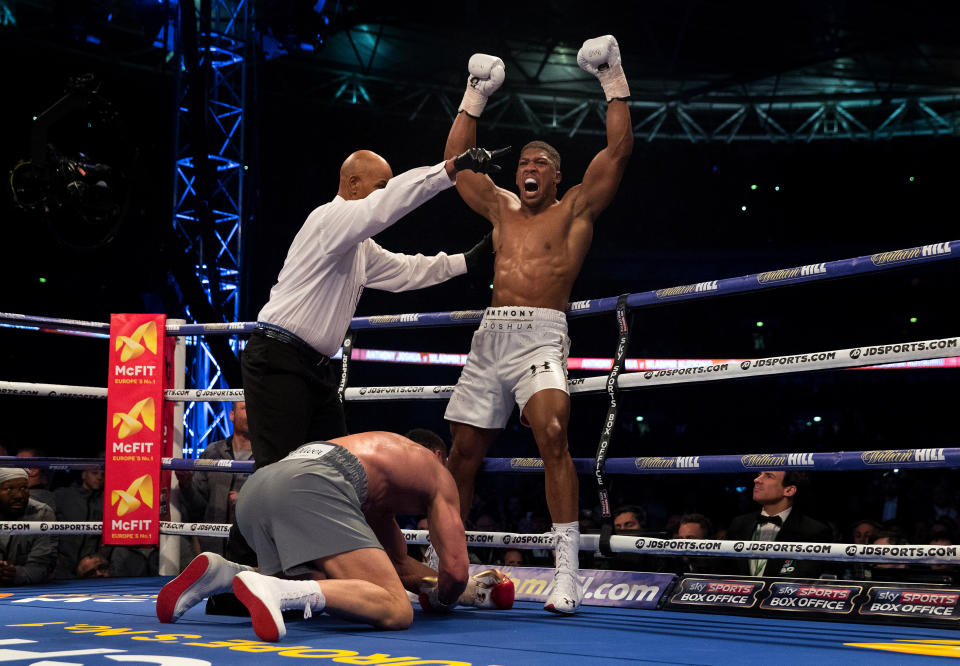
51	390
773	365
45	528
836	552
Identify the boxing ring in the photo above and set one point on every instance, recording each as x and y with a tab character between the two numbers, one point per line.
91	621
108	621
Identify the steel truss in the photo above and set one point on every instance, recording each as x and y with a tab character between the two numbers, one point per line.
809	119
208	218
546	93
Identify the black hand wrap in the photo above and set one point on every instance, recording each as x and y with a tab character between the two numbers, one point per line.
480	255
479	160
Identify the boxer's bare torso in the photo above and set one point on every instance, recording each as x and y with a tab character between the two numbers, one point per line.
540	241
538	252
405	478
402	476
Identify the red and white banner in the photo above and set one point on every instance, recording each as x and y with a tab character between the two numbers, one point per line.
135	414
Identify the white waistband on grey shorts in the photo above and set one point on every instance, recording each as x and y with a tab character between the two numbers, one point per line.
523	314
339	458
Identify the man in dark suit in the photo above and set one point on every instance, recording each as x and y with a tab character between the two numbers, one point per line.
695	526
778	520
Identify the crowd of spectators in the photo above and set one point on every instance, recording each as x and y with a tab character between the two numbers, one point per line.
885	507
34	495
888	507
31	494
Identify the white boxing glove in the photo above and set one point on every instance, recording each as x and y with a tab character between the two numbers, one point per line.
486	75
431	558
491	589
430	596
601	57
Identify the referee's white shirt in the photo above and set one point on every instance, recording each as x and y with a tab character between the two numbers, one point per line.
333	258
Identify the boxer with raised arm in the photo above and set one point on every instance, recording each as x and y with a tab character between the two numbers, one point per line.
519	352
323	523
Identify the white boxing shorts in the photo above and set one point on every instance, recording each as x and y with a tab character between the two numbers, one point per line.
516	352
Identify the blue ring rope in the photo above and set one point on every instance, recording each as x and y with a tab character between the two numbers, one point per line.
837	461
870	263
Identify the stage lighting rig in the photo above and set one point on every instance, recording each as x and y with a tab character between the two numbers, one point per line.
83	199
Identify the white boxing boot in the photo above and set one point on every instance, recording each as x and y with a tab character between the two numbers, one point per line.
206	575
266	597
566	594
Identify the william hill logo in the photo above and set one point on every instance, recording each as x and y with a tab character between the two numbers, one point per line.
393	319
909	254
755	460
143	339
902	456
526	463
139	493
686	289
787	274
679	462
466	314
144	413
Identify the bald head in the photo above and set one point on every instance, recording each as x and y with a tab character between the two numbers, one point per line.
361	173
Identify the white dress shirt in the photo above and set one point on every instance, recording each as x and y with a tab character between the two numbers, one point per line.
767	532
333	258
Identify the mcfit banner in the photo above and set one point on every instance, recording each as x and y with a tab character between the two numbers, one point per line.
131	508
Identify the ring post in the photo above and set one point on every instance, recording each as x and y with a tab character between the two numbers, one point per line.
170	544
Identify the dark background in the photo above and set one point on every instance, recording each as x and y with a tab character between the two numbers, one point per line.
677	219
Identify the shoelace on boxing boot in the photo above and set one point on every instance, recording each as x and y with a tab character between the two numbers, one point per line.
561	552
290	600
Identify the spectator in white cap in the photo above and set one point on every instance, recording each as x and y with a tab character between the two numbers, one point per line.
24	559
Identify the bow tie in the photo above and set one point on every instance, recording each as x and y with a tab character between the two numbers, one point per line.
775	520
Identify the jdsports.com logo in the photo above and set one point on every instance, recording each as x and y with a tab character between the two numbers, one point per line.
639	543
850	550
70	527
144	338
648	374
210	527
855	353
537	539
738	547
745	365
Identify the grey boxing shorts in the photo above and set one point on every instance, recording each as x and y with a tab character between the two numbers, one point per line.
305	507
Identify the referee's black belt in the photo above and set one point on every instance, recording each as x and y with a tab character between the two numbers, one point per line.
288	338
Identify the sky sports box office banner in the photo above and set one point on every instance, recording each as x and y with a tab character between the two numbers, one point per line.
855	601
138	423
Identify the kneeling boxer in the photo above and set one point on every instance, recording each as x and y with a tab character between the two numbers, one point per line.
323	524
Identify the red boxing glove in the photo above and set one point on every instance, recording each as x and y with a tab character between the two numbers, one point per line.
489	589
